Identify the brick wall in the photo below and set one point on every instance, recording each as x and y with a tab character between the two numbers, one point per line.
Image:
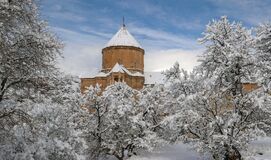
131	57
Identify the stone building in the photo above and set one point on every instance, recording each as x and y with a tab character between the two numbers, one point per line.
122	61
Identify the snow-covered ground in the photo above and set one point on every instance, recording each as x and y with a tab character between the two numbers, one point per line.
260	150
174	152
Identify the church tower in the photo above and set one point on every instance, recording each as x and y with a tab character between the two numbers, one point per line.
122	61
125	50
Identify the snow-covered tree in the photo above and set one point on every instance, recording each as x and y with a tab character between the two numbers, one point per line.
263	54
116	121
92	120
227	60
38	106
50	129
27	55
221	118
157	103
173	73
179	82
28	50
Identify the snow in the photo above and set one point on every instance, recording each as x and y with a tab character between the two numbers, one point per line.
261	148
120	68
184	152
138	74
123	38
174	152
154	78
150	77
101	74
117	68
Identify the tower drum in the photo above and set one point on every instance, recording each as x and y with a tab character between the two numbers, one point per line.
130	57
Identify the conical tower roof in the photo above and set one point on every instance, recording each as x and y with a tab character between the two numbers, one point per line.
123	38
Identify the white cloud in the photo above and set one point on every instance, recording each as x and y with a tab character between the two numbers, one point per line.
93	32
81	60
161	35
163	49
164	59
82	52
155	39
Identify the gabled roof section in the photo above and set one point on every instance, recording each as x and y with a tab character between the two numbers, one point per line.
120	68
117	68
123	38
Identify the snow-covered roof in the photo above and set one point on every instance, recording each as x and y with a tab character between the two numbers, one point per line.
122	69
123	38
101	74
118	68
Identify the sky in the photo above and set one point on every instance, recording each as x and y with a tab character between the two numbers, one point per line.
167	29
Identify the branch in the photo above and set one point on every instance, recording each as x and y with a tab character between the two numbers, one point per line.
7	87
3	83
195	134
7	114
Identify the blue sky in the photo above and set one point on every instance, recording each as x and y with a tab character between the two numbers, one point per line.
167	29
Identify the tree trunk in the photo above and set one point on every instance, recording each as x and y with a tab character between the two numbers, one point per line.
1	97
233	154
3	84
215	157
237	154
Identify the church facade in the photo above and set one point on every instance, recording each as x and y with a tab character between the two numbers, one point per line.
122	61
